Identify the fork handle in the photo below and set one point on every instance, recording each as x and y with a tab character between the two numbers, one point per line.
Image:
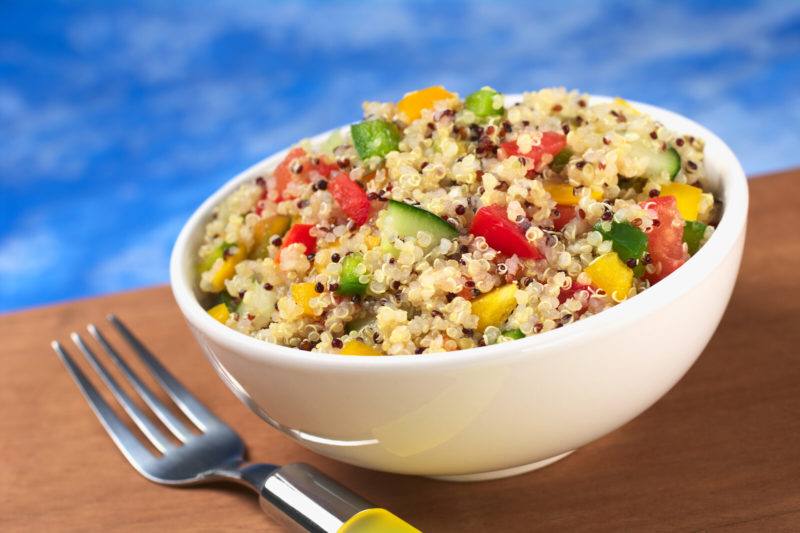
314	502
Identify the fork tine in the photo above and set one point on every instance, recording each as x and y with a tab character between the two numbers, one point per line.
128	444
142	422
161	411
191	406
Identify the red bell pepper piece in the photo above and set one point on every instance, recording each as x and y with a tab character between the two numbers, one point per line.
566	294
492	224
350	197
300	233
283	174
665	241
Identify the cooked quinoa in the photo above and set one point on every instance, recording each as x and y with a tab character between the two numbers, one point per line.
439	224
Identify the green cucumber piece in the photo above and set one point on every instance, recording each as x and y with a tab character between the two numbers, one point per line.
349	284
561	159
659	161
358	323
628	241
208	261
515	334
481	103
693	233
406	220
375	138
227	299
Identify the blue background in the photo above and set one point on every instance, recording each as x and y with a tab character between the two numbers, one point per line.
118	119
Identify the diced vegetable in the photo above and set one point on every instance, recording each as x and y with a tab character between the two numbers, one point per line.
406	220
492	223
515	334
301	233
349	282
358	323
302	293
350	197
265	230
627	106
609	273
551	143
283	174
687	197
693	233
482	103
565	214
208	261
228	268
628	241
665	241
564	194
561	159
493	308
659	161
566	294
412	104
354	347
227	299
375	138
220	313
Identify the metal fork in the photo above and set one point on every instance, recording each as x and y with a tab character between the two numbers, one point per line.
296	494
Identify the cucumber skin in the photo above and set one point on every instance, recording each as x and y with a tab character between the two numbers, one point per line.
406	220
349	285
675	158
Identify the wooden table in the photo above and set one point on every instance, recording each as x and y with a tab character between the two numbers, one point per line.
720	451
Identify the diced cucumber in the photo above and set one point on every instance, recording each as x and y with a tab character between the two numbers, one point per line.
358	323
375	138
658	161
349	283
406	220
208	261
481	103
693	233
628	241
515	334
561	159
227	299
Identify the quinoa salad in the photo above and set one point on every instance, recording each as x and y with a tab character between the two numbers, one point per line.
439	223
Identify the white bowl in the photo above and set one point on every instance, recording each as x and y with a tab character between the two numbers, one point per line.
493	411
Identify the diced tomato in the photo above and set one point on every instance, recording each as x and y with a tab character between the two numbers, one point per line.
566	294
565	214
283	174
300	233
665	241
551	143
351	198
492	224
324	168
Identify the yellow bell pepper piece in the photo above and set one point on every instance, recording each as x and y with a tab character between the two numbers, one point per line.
413	103
609	273
687	196
494	307
265	229
376	520
372	241
302	294
353	347
220	313
627	105
228	268
563	194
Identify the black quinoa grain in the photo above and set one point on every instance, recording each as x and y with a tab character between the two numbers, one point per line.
631	262
333	287
322	185
337	343
679	142
469	283
241	294
268	286
343	163
310	257
557	108
276	241
305	345
581	213
692	165
647	259
335	257
396	285
606	141
419	351
251	316
580	164
319	287
372	196
526	123
653	193
582	102
463	248
460	209
507	126
261	182
656	223
607	215
565	128
450	296
302	204
468	332
653	135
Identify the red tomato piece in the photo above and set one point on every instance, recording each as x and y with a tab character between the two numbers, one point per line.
665	241
492	224
551	143
324	168
566	294
565	214
350	197
283	174
300	233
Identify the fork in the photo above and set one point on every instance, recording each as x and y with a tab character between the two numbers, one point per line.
296	494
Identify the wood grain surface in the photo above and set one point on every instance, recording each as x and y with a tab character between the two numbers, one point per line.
721	451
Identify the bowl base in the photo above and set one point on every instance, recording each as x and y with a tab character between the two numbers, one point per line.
506	472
